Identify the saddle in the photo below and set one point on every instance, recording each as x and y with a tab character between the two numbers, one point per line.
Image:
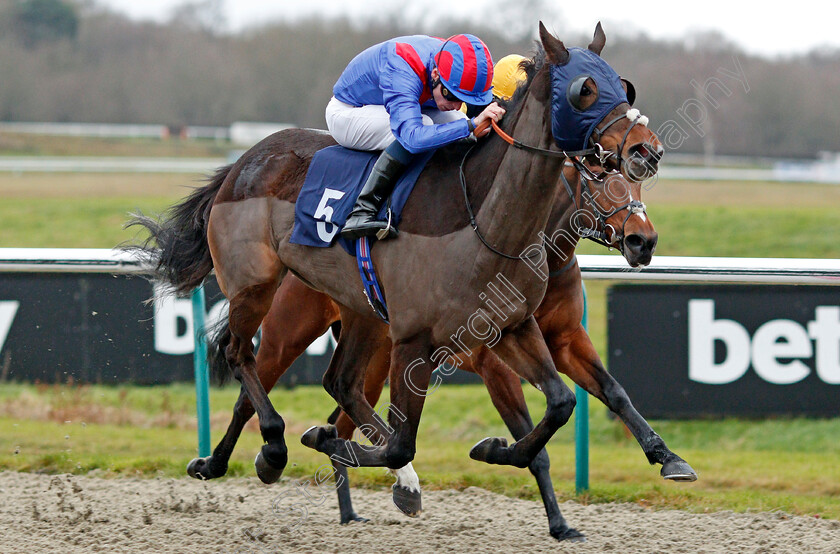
333	181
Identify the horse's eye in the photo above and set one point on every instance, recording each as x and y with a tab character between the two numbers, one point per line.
578	90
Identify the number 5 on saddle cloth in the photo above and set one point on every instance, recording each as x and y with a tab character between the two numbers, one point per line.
333	181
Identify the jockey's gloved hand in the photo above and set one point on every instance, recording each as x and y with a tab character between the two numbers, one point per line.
492	112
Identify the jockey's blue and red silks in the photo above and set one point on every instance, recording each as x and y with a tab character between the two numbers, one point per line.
571	127
397	74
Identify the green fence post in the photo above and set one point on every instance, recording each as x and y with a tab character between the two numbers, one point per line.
582	424
202	378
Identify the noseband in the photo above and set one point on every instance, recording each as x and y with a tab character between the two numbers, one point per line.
601	234
635	118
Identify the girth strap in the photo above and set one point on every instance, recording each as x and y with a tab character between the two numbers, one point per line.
370	283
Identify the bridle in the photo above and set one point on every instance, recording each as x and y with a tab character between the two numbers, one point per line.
601	234
635	117
593	139
586	175
595	150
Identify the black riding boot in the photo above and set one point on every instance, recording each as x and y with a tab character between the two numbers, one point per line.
362	220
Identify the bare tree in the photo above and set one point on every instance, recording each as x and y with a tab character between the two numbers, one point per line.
189	71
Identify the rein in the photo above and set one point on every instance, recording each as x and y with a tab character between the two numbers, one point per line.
473	223
596	150
533	149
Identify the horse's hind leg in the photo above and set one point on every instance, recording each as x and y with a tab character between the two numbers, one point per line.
576	357
247	309
216	465
297	317
506	394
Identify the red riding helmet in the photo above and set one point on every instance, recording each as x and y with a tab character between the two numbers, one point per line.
466	69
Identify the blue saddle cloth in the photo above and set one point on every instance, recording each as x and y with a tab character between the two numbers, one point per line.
334	180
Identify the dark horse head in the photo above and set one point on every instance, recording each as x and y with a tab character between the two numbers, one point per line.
591	107
608	146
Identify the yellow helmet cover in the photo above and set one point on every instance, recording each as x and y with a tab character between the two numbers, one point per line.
507	74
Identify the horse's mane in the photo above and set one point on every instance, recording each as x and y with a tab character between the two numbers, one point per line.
531	67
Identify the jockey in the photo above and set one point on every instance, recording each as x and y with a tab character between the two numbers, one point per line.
402	96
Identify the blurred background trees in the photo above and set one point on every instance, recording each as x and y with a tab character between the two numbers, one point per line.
73	61
35	22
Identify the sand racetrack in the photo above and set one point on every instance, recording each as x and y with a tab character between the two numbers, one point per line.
43	513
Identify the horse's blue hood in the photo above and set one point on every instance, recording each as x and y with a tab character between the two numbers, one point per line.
571	127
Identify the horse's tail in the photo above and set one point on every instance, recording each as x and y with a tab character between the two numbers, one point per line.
218	339
177	246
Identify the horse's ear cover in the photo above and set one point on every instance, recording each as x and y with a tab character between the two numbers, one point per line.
631	91
572	128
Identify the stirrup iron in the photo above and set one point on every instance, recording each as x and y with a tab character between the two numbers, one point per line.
383	234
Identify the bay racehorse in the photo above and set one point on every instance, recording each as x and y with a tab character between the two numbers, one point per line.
299	315
240	224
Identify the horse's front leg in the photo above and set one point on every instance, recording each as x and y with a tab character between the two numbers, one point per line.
576	357
506	393
406	491
361	340
374	380
524	351
394	443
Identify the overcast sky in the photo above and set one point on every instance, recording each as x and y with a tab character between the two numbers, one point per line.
769	28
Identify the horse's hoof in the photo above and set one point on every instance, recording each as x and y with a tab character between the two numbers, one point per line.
353	517
489	450
407	501
199	468
315	436
269	472
495	450
310	437
678	470
568	534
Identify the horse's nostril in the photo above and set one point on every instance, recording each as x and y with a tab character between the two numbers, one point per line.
634	242
643	161
639	244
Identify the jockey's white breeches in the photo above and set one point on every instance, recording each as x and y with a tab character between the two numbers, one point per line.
369	127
